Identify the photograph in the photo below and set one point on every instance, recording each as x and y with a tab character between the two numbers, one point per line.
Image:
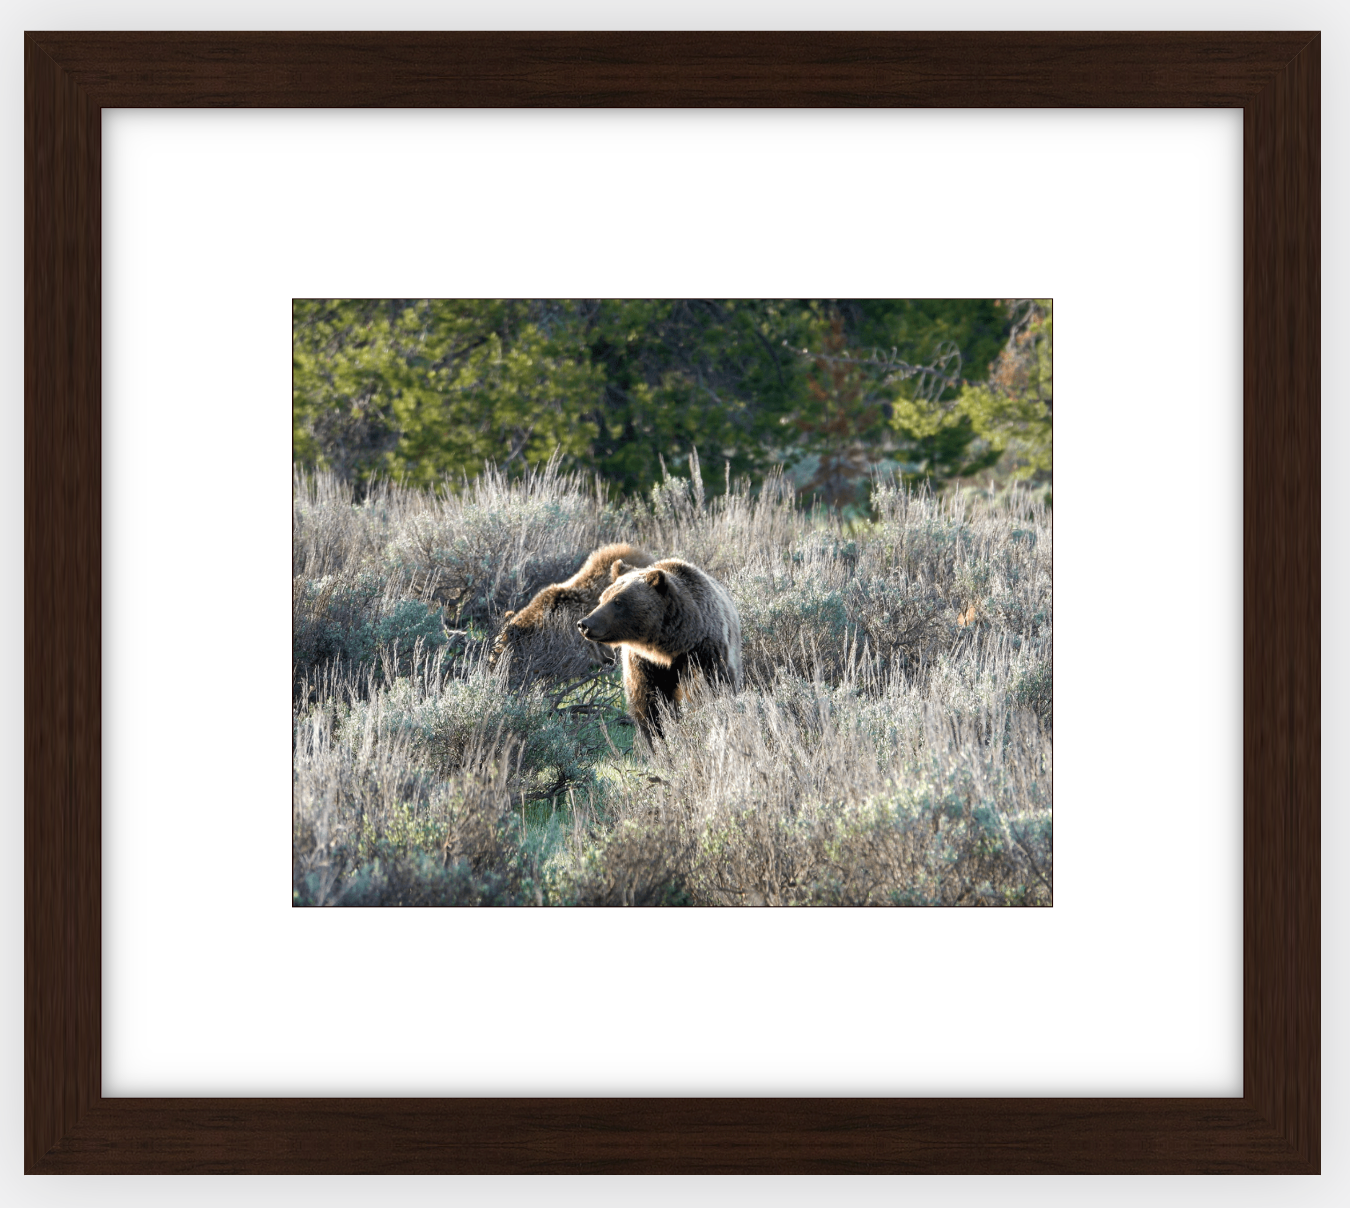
672	602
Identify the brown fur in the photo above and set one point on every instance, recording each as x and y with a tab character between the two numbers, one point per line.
673	622
542	637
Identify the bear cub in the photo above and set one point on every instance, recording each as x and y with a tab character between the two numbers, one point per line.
672	621
542	637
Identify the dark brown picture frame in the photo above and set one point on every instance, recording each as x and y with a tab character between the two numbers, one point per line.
1274	1127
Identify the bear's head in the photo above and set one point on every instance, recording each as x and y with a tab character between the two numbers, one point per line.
631	607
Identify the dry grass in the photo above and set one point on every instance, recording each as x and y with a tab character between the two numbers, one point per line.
892	746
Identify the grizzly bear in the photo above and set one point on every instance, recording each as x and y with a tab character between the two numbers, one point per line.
542	637
672	621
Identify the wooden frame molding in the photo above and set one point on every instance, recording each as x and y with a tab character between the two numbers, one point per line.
71	1128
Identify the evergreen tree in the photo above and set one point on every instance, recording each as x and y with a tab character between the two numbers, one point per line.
426	390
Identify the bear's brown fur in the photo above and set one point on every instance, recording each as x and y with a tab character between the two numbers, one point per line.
672	621
542	637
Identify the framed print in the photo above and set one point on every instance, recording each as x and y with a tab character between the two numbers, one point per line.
71	79
1167	183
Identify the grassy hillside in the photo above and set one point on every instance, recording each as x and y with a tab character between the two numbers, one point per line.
892	744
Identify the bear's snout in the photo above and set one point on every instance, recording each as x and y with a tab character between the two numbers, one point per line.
598	626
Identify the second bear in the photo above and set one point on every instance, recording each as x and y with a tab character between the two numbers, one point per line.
672	622
542	637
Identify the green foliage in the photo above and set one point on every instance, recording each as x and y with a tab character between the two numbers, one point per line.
920	328
883	381
429	390
678	374
1011	412
423	389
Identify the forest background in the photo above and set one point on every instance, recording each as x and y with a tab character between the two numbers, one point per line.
834	391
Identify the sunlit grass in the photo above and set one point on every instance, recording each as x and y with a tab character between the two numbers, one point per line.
892	744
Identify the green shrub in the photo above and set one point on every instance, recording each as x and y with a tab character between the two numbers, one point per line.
356	621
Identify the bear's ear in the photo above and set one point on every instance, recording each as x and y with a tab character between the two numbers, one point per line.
619	567
657	579
508	616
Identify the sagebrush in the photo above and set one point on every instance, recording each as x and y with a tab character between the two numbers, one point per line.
892	744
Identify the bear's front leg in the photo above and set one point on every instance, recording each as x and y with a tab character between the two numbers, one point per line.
649	690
